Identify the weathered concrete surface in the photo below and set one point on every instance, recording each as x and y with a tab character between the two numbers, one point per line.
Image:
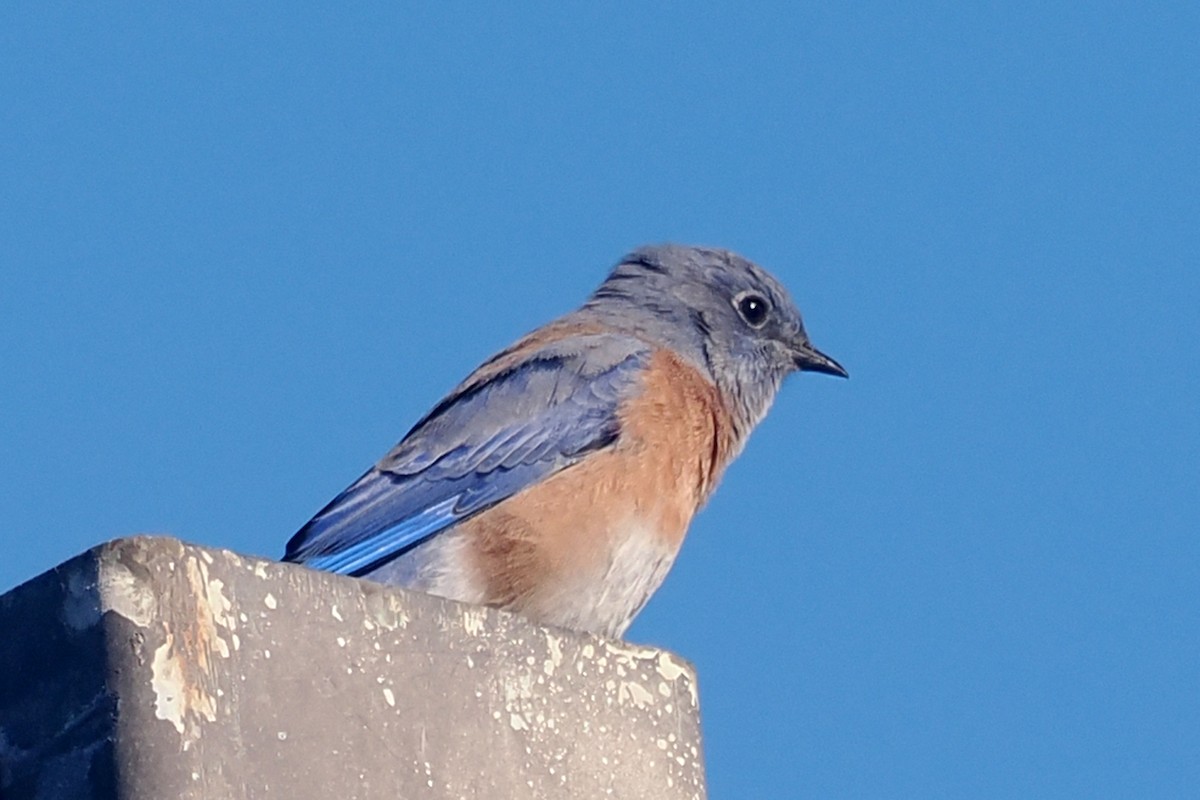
148	668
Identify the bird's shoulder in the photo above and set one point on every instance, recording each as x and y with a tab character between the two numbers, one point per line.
559	387
587	346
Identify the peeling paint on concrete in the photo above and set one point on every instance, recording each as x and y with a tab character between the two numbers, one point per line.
472	620
413	691
669	668
635	693
641	681
182	671
383	610
178	699
116	589
214	610
555	659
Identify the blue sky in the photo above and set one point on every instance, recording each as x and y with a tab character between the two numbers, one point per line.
243	248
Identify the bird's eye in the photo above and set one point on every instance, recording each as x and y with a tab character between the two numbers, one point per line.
754	308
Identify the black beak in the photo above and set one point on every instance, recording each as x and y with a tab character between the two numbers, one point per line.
810	359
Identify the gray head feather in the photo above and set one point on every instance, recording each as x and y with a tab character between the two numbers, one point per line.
726	315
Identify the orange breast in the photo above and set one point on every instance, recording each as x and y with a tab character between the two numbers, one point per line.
568	531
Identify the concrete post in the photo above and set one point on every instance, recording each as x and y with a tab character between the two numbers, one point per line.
149	668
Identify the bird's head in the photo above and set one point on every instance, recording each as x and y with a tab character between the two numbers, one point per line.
724	313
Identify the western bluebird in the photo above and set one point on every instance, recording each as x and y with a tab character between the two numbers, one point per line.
558	480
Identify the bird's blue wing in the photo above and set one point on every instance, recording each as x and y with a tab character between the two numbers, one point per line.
500	431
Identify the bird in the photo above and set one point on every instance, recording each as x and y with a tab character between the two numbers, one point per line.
558	480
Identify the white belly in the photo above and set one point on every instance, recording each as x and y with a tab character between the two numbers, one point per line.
602	597
606	600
